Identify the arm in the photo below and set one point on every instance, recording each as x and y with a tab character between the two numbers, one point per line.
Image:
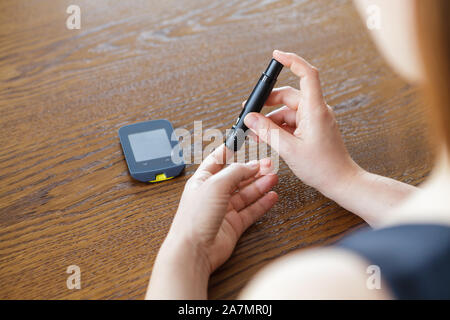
179	272
369	195
311	144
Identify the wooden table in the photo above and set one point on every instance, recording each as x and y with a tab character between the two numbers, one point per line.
66	197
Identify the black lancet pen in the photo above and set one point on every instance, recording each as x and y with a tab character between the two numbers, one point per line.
255	103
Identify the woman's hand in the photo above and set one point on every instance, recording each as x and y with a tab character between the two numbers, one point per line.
311	144
218	204
309	138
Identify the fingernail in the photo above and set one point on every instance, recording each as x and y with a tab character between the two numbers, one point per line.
279	52
251	120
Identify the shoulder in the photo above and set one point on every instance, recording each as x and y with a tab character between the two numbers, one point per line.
329	273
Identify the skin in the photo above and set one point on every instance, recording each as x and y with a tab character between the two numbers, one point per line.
218	204
396	40
202	237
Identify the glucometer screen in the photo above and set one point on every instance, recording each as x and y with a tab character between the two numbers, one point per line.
150	145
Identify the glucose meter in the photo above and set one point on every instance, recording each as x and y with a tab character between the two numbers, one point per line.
151	150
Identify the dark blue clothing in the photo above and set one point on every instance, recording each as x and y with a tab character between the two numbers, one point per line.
414	259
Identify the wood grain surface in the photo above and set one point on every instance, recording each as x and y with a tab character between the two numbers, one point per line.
66	197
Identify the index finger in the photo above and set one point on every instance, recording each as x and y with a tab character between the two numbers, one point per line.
309	75
215	161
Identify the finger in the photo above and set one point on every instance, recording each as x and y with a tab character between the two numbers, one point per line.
283	115
269	132
309	77
284	126
214	162
248	181
284	95
252	135
265	167
251	193
253	212
228	179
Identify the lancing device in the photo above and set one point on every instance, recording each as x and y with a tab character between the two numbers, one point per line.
254	103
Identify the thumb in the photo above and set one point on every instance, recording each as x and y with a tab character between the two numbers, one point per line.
269	132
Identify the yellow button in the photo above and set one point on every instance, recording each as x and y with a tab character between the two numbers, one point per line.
161	177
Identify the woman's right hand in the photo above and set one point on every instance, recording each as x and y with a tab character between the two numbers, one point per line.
309	138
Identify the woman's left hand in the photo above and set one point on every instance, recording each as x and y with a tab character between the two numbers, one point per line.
218	204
